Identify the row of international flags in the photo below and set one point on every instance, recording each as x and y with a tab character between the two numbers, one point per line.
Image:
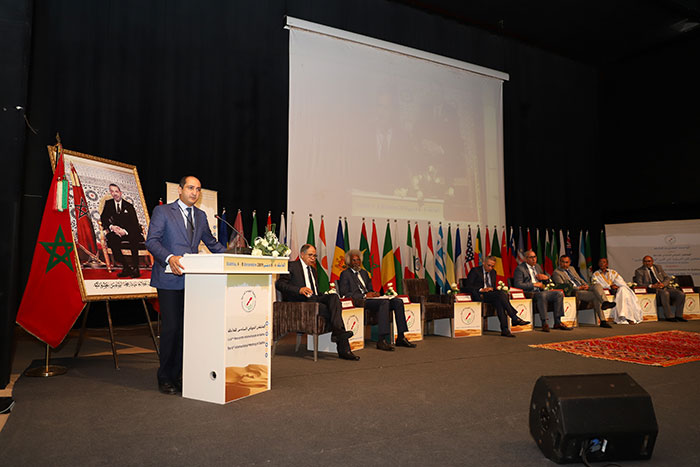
442	258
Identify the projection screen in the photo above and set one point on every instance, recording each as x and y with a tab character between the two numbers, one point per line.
381	131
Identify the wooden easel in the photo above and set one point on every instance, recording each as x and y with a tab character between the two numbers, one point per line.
111	331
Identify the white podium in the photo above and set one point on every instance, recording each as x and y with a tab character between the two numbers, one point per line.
228	325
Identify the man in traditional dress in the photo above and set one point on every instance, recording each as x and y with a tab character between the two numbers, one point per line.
654	277
565	274
627	309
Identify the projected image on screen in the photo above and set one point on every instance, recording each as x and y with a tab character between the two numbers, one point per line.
382	134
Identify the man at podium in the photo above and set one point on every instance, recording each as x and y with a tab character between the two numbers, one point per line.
300	286
176	229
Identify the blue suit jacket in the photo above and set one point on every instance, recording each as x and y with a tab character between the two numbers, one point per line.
167	236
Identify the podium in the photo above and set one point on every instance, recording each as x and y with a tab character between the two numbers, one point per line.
228	325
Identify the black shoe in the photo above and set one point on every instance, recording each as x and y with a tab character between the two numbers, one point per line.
562	327
134	273
680	319
673	320
167	388
605	324
607	305
403	342
341	336
347	355
126	272
507	334
519	322
384	345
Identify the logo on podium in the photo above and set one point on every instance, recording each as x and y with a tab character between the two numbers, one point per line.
467	315
248	301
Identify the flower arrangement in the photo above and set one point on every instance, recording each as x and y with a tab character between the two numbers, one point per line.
502	286
550	285
673	284
632	285
390	292
269	245
453	289
332	289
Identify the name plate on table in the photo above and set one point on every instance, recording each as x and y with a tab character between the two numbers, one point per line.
687	289
640	290
346	302
462	297
517	295
606	291
404	299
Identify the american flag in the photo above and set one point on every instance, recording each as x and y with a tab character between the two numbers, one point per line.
469	254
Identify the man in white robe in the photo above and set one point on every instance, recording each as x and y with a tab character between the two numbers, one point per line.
627	309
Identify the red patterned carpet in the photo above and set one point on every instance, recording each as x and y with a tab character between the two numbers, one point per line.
664	348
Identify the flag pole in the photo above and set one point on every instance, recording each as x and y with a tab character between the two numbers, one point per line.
46	370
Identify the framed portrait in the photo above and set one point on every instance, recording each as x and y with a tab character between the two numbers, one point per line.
109	222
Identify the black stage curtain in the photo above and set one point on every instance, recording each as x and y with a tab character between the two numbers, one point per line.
177	87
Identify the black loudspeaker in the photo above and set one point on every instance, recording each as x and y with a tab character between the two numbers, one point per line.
592	417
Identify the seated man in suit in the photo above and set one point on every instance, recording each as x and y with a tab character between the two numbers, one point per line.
121	224
481	282
565	274
530	277
300	286
355	282
654	277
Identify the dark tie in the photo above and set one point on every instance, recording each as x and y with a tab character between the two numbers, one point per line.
359	282
311	279
119	208
654	280
487	279
190	224
573	279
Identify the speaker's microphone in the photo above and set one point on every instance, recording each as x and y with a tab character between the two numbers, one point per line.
235	230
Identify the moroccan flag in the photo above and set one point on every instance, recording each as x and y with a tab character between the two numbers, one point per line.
268	225
504	255
496	251
388	267
52	300
310	235
398	268
487	244
347	235
469	258
322	260
408	272
418	268
223	229
548	264
440	263
338	254
603	246
364	248
86	232
293	240
254	229
449	261
460	261
478	248
375	260
238	238
430	261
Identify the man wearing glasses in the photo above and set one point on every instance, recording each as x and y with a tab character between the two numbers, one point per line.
530	277
300	285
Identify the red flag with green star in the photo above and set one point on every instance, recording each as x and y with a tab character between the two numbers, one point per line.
52	300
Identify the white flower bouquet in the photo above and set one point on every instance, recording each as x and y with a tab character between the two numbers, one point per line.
502	286
453	289
390	292
269	245
332	289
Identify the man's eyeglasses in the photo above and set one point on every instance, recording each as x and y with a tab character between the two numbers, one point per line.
313	255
